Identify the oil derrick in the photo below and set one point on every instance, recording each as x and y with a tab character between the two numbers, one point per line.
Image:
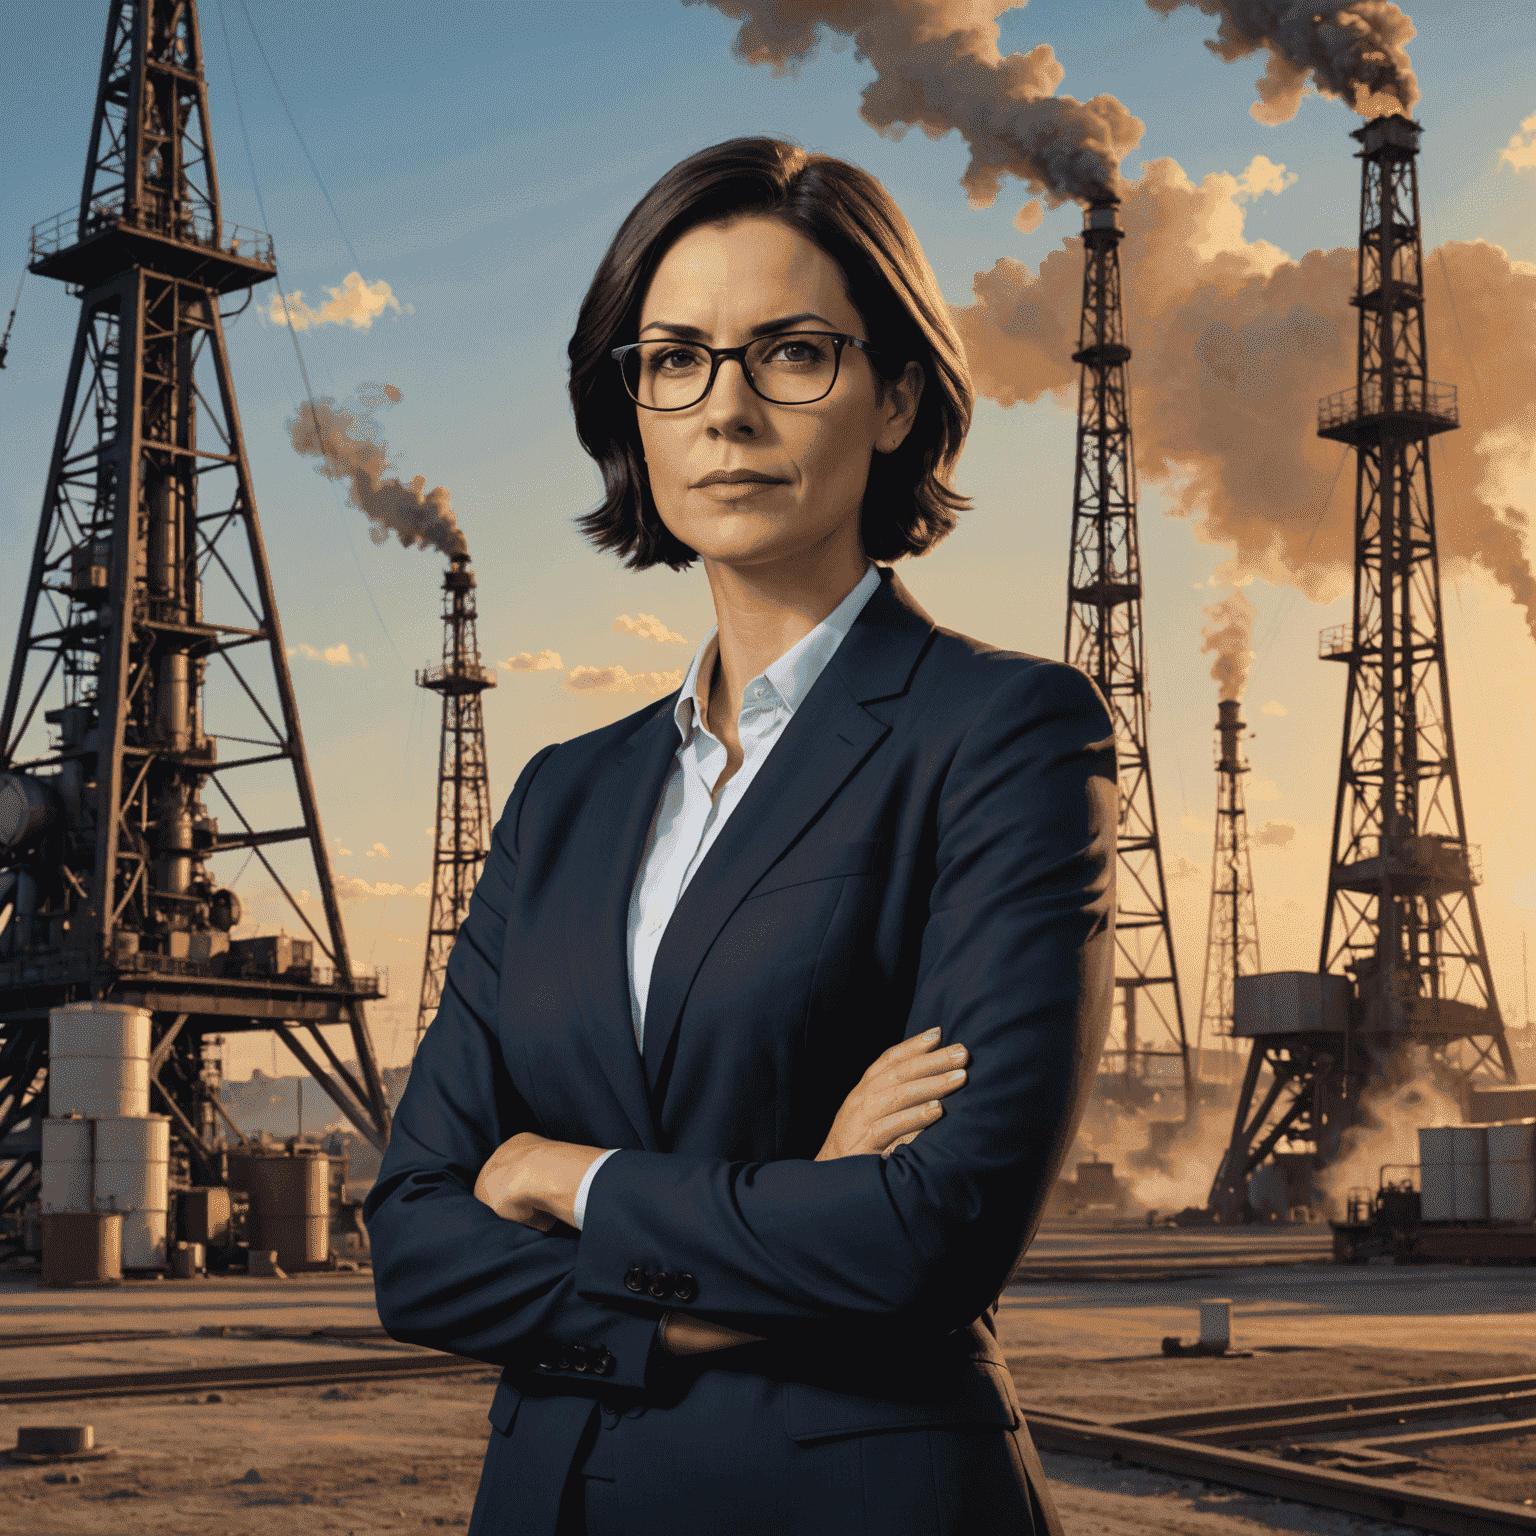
150	642
462	837
1104	639
1232	931
1403	962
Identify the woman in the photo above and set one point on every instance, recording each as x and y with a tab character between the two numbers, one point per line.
673	1154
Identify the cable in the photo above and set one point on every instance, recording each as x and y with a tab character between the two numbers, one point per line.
309	394
299	136
5	341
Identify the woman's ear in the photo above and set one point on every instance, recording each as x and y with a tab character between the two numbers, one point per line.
899	401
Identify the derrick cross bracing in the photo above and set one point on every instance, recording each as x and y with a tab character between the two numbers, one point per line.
462	836
150	644
1104	639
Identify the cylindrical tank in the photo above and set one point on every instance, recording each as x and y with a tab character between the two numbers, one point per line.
132	1167
27	805
290	1207
98	1060
66	1165
82	1245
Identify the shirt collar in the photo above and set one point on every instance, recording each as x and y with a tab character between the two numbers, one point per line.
794	673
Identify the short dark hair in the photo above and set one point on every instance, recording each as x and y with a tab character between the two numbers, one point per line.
909	504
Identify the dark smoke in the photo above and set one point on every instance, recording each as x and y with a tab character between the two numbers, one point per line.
1229	636
938	68
1355	51
350	448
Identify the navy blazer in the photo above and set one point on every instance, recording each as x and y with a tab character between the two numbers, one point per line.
931	842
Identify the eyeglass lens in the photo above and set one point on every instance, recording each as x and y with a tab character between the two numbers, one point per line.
787	370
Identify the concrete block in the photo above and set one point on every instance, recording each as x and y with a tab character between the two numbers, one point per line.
1216	1323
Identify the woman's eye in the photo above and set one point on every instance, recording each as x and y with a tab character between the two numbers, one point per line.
797	350
676	360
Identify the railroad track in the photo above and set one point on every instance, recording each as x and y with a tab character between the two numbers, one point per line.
1351	1474
1205	1444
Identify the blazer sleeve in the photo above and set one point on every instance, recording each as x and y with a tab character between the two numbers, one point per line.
1016	962
447	1271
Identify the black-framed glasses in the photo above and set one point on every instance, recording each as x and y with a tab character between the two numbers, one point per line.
787	368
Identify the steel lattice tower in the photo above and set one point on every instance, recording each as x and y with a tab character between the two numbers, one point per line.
1232	931
462	837
1104	639
149	598
1401	920
1402	914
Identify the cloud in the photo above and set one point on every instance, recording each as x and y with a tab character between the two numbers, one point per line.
647	627
378	851
356	303
333	655
350	888
937	67
527	661
1180	868
1233	343
1356	50
1274	834
1274	707
1520	153
617	680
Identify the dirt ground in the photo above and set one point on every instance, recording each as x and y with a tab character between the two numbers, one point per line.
371	1458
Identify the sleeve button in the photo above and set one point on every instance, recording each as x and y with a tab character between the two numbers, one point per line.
563	1360
604	1364
636	1280
580	1358
685	1287
661	1285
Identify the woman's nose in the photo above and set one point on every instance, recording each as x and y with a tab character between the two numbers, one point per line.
732	408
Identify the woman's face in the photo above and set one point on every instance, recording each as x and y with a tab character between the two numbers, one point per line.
724	285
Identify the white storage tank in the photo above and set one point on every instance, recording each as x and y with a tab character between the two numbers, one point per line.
1469	1172
66	1165
1437	1197
132	1176
1512	1171
98	1060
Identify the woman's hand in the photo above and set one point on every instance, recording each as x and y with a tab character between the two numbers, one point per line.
695	1336
533	1180
897	1098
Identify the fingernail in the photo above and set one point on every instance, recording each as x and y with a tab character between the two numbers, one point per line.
932	1104
932	1034
957	1074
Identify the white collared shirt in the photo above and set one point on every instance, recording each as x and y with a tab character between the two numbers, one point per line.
687	819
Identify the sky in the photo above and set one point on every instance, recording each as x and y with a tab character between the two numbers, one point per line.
470	169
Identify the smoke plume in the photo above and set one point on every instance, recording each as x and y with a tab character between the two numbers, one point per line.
1227	635
349	447
937	67
1357	51
1387	1135
1235	341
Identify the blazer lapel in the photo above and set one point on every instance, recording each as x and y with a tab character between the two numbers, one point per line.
611	840
830	735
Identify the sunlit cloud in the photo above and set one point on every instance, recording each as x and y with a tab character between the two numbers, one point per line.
647	627
1520	153
356	303
378	851
1274	834
350	888
332	655
531	661
617	680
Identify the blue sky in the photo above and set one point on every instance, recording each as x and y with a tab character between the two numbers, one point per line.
480	156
